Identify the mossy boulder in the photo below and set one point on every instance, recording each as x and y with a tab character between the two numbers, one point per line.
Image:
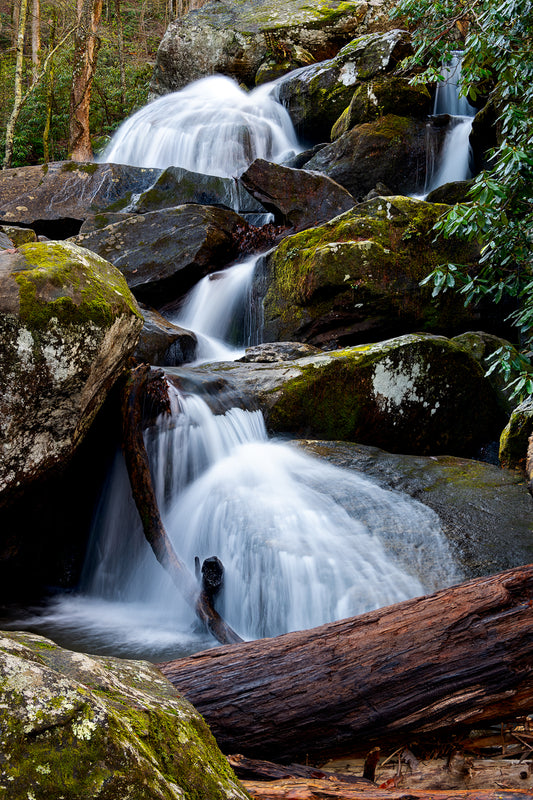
298	198
360	273
515	436
316	96
17	235
163	253
94	728
387	94
235	37
68	324
413	394
390	150
66	192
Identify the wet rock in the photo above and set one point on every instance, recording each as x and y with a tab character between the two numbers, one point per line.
298	198
450	193
162	343
514	438
176	186
486	512
317	95
235	38
417	393
164	253
358	276
68	324
482	346
67	191
385	95
277	351
95	222
284	59
391	150
87	727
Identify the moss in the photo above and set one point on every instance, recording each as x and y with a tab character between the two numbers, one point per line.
68	283
75	166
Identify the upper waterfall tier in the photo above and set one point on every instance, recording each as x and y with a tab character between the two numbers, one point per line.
212	126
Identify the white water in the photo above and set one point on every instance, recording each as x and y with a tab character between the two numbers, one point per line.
211	126
454	159
302	542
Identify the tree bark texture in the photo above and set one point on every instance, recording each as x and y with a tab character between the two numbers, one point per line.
22	9
460	657
83	68
144	496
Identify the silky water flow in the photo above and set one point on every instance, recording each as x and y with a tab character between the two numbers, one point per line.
302	542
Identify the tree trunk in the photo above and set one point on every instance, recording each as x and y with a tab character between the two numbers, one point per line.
460	657
83	69
120	44
17	100
35	38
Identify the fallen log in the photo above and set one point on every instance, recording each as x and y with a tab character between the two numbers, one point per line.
305	789
457	658
143	493
253	768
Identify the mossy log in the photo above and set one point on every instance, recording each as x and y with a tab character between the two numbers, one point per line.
458	658
143	493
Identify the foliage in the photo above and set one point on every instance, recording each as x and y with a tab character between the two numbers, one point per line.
497	69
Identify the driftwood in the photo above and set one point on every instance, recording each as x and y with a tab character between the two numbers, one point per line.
253	768
304	789
455	659
143	493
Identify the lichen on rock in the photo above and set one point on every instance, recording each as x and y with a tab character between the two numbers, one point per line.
98	728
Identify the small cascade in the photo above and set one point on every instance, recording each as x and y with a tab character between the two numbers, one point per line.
211	126
452	160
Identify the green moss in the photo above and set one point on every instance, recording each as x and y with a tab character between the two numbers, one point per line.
70	284
75	166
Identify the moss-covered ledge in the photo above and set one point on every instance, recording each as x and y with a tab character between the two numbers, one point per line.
83	727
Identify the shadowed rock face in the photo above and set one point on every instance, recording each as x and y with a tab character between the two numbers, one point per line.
95	727
68	323
299	198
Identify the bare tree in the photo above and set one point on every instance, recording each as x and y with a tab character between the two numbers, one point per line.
88	13
20	13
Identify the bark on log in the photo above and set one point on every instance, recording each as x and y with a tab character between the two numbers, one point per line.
459	657
144	496
304	789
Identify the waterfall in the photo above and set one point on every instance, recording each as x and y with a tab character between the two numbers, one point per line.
453	159
211	126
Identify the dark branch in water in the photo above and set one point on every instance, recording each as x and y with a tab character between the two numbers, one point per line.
143	382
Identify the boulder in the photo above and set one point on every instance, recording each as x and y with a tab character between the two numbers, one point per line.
515	436
297	198
450	193
392	149
482	346
284	58
17	235
68	324
417	394
384	95
317	95
101	728
360	274
235	38
485	511
95	222
162	343
277	351
5	242
166	252
177	186
66	192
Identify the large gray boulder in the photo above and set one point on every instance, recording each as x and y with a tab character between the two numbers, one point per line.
68	324
234	38
165	252
99	728
67	190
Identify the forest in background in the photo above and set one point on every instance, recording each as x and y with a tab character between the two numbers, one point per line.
127	40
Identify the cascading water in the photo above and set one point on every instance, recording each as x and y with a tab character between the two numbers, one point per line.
211	126
302	542
452	163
